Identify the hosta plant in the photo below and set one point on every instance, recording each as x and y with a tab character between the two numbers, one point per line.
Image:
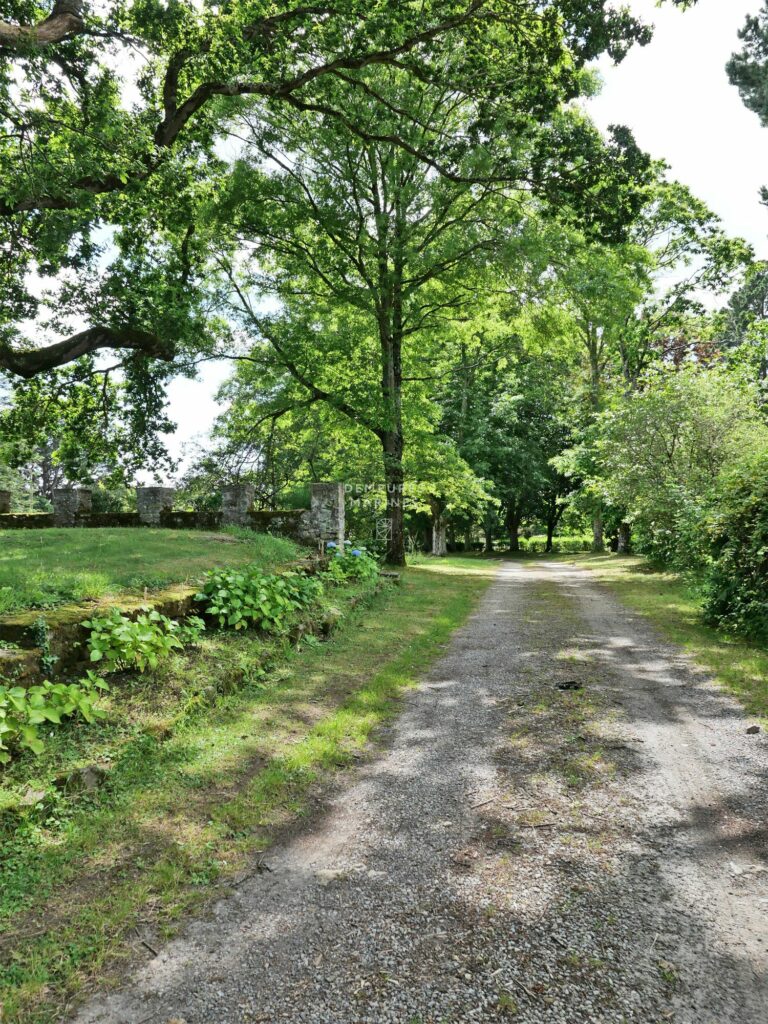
239	598
117	642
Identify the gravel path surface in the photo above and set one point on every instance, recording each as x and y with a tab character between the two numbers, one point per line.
518	851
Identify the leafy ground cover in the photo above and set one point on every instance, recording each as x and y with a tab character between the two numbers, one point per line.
675	608
46	568
202	762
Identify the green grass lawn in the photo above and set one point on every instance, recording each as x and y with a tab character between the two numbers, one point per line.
674	608
46	568
206	761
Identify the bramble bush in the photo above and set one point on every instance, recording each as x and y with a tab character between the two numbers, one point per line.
26	711
239	598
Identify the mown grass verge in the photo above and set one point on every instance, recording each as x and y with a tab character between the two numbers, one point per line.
205	764
46	568
674	608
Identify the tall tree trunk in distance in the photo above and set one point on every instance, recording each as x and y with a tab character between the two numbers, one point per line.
598	534
439	527
625	538
595	347
488	527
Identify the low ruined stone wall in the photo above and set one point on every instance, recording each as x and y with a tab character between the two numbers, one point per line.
72	507
111	519
294	523
190	520
26	520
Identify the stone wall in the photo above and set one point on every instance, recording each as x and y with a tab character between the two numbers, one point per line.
190	520
26	521
294	523
152	502
315	526
70	504
97	519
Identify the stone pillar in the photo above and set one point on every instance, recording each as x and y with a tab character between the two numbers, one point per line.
236	501
5	502
151	502
328	512
69	503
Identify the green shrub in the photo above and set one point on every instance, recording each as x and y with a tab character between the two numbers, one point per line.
662	448
737	582
118	642
239	598
24	711
560	545
351	564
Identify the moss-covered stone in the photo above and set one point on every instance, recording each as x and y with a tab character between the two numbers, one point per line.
20	667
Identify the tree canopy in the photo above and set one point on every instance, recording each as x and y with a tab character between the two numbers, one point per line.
432	274
113	120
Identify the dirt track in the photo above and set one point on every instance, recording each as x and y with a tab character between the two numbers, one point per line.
516	852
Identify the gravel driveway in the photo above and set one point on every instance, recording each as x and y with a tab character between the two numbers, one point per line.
567	823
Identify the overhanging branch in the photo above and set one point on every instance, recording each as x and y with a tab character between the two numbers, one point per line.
29	363
64	21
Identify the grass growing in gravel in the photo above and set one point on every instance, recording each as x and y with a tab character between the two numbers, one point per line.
205	764
666	599
46	568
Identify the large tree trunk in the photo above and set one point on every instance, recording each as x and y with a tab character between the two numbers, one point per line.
439	543
488	527
550	533
393	475
514	537
598	535
514	517
391	330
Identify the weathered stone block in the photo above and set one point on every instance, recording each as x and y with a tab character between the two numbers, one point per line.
70	504
236	501
5	502
152	502
327	510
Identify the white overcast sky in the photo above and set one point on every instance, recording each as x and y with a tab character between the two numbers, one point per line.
675	96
